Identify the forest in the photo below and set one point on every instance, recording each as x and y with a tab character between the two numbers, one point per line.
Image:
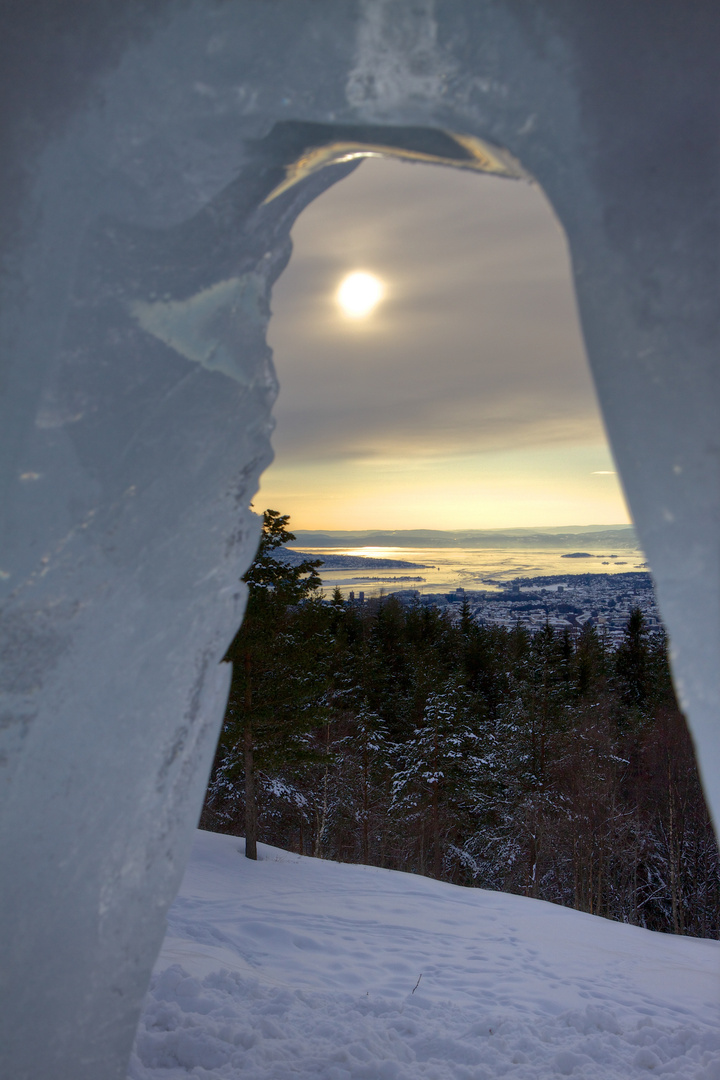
389	733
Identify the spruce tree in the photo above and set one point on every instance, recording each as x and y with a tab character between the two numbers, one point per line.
277	668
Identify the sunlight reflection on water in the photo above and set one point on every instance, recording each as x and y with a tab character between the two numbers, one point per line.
483	569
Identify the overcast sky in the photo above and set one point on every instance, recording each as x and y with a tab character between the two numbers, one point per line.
464	399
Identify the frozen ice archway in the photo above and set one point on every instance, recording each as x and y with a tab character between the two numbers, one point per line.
140	145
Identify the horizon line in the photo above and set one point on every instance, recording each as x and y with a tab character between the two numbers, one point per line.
487	528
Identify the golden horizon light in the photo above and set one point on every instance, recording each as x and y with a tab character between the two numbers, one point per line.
359	294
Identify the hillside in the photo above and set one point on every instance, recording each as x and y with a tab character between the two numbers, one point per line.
603	537
294	968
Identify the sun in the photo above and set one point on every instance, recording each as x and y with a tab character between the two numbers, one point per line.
359	294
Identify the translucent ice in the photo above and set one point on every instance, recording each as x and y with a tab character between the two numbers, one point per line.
140	246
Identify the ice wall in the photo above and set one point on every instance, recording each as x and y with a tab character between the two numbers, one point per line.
140	144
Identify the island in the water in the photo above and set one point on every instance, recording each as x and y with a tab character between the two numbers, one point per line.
349	562
577	555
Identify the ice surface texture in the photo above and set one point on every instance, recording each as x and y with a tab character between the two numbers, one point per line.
140	143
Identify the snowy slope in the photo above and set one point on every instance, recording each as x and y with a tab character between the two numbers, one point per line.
297	968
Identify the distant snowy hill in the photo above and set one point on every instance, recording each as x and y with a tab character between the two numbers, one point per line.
600	536
293	968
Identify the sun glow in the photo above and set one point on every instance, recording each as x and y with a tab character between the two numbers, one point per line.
359	294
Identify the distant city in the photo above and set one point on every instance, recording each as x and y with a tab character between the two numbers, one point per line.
600	600
571	599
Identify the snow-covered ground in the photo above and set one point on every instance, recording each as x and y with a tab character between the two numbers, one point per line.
297	968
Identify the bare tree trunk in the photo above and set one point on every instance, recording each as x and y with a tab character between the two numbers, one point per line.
322	819
591	881
532	887
636	856
672	855
437	850
366	807
250	798
422	847
250	791
600	879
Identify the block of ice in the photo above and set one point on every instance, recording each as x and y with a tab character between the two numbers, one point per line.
140	247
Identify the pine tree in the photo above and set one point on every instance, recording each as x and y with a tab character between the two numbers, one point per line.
277	670
631	662
367	761
439	771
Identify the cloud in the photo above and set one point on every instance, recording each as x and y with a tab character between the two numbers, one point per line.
474	359
550	486
476	344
